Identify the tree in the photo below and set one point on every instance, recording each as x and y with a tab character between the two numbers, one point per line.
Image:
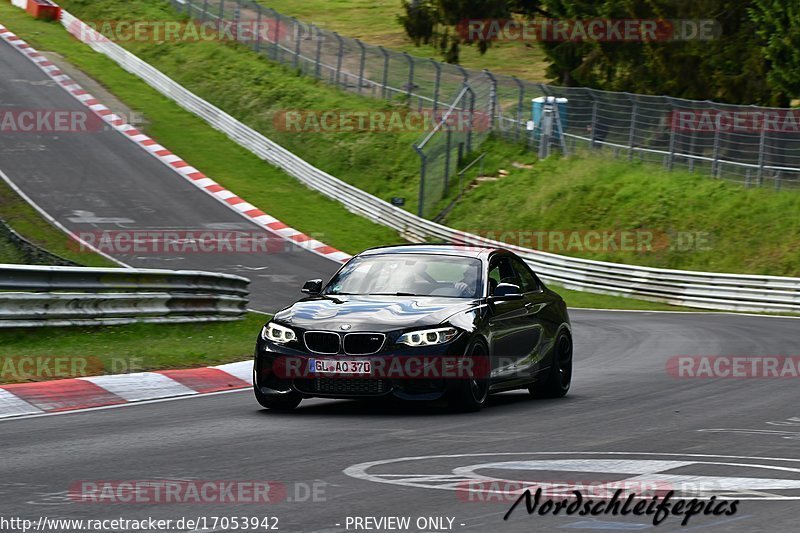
778	25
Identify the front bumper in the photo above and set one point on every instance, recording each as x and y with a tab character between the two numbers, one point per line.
403	372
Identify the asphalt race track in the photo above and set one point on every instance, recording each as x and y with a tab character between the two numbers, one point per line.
627	418
97	181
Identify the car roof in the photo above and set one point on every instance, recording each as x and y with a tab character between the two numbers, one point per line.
436	249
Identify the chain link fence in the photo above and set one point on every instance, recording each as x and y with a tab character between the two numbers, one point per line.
754	146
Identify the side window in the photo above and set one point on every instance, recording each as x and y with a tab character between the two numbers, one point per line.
501	271
528	282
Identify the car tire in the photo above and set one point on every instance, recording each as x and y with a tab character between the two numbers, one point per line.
470	394
283	402
559	378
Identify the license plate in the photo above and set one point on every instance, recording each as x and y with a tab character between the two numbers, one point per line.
336	366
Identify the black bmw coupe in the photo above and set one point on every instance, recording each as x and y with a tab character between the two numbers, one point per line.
418	322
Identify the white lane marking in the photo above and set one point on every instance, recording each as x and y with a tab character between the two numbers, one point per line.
119	405
607	466
11	405
141	386
706	312
242	370
744	487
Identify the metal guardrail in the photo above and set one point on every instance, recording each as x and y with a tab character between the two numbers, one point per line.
32	296
687	288
32	253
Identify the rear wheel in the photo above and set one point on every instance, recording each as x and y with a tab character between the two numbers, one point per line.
472	391
285	401
559	377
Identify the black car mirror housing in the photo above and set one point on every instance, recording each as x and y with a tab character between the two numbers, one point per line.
312	287
506	291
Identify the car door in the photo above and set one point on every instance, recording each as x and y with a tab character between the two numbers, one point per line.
541	315
512	338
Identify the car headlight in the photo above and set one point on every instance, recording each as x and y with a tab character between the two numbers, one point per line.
277	333
428	337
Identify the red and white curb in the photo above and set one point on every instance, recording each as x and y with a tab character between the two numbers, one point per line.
62	395
177	164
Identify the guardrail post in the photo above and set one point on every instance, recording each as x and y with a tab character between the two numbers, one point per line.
361	64
410	84
436	85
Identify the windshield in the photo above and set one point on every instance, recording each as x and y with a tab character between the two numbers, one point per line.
409	275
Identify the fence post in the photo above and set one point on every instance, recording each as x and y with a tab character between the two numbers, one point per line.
778	181
631	134
448	144
492	98
221	10
236	17
385	77
671	125
471	115
436	85
297	38
715	166
339	56
761	149
593	125
410	84
205	11
520	106
422	170
277	38
361	64
257	45
317	34
464	73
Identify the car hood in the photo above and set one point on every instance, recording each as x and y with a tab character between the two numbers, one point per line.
372	313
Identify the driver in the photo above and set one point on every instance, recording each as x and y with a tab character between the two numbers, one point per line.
469	281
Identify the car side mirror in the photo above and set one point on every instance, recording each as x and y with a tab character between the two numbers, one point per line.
506	291
313	287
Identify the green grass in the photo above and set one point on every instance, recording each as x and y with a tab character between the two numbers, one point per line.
138	347
249	87
375	22
732	229
26	221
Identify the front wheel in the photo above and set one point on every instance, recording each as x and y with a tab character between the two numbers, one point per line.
559	378
278	402
472	390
